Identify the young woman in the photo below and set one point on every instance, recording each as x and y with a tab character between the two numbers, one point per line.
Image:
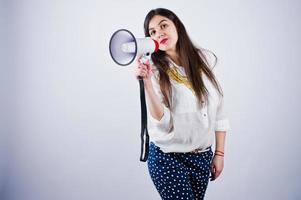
186	111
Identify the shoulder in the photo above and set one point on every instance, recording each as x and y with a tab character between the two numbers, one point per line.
209	57
155	71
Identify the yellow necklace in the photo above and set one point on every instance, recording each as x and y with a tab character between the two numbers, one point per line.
175	75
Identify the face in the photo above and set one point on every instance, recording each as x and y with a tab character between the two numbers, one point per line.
164	31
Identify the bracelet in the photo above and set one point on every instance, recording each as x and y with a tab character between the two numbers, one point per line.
219	151
218	155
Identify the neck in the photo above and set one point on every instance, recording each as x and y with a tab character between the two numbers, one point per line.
174	56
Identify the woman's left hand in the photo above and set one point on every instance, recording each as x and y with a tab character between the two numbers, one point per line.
217	166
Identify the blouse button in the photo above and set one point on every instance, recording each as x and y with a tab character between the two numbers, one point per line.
205	115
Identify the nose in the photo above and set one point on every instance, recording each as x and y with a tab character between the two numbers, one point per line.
160	34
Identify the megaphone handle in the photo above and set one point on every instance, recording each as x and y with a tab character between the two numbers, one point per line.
144	132
145	57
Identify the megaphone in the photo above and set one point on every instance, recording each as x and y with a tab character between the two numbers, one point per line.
124	47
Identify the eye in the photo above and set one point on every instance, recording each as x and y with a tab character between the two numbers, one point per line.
152	32
163	26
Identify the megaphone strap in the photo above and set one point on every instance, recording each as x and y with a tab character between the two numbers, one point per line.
144	132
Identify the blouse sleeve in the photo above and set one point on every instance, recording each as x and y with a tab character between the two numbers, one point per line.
165	123
221	122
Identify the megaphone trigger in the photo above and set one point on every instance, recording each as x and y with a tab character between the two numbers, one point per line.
144	59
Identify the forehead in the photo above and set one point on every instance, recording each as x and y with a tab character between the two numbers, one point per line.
156	20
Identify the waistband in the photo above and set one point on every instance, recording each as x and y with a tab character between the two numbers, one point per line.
200	150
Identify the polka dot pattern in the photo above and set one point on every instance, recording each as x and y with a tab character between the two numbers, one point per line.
179	175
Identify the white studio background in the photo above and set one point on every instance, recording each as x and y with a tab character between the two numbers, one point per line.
72	116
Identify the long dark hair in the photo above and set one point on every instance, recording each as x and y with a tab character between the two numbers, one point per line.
192	59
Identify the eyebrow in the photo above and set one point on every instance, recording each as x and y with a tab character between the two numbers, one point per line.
158	24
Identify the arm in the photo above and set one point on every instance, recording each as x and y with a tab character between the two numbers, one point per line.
221	126
160	115
217	164
220	137
154	104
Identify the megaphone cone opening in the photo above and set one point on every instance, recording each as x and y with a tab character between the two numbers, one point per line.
117	40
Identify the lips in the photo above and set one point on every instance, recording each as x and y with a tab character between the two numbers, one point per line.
163	41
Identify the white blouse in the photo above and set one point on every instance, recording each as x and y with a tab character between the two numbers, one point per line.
187	125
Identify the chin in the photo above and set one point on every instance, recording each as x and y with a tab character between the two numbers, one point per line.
163	49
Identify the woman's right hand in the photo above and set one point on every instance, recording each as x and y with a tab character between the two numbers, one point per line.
144	72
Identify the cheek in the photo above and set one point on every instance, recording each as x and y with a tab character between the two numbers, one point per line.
173	41
152	37
175	36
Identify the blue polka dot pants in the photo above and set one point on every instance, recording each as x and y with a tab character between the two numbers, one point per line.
179	175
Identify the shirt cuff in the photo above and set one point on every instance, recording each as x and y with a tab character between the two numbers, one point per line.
222	125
